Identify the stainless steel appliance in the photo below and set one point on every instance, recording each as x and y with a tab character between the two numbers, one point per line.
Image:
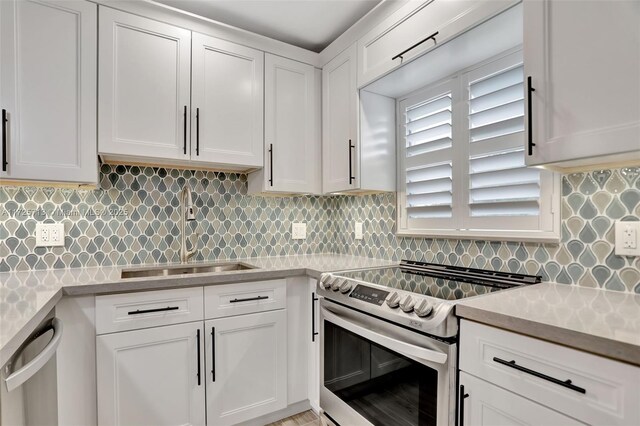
388	342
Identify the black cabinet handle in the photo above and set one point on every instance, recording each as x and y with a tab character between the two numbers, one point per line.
197	131
461	397
530	91
147	311
432	36
198	349
213	354
271	164
566	383
248	299
351	176
4	140
314	333
184	120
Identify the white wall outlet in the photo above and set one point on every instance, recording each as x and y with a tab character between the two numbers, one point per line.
299	231
49	234
627	243
358	230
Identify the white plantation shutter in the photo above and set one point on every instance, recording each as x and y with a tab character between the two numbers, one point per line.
427	129
502	190
462	164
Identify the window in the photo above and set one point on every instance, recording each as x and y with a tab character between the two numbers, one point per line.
461	157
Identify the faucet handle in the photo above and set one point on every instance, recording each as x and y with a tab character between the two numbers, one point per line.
194	240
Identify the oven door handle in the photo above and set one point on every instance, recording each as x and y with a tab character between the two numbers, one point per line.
403	348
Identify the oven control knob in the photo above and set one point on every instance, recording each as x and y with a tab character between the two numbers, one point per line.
337	282
393	300
406	304
325	282
345	287
423	308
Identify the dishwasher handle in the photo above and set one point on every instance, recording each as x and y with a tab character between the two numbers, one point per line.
17	378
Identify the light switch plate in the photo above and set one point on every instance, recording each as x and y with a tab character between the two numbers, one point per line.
358	230
299	231
627	243
49	234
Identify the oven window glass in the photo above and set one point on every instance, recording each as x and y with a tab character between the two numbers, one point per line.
382	386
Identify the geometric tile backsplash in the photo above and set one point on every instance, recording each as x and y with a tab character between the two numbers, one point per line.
132	218
591	202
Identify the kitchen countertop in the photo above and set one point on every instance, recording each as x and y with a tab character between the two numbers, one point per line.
27	297
599	321
603	322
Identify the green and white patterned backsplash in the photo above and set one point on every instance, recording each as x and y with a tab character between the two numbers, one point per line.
133	219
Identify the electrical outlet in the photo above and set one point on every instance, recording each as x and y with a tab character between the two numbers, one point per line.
299	231
358	230
49	234
627	238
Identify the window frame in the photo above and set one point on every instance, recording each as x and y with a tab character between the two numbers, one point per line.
462	225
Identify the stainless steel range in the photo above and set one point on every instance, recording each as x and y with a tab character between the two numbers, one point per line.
388	343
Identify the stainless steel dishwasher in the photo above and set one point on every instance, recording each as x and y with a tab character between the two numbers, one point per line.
29	379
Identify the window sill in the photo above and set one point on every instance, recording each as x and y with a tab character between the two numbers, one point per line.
485	235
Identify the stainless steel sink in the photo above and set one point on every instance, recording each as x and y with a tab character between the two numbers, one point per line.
167	271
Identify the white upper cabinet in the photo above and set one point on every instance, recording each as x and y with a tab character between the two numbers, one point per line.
583	61
292	129
412	31
144	88
227	103
358	132
48	90
339	122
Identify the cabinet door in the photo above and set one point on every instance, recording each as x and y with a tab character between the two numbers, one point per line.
407	33
144	87
340	123
314	347
227	103
586	101
48	90
490	405
153	376
292	144
247	374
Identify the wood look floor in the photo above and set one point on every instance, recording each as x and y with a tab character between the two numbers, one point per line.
308	418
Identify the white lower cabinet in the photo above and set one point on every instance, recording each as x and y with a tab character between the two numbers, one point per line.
222	355
516	379
246	358
485	404
152	376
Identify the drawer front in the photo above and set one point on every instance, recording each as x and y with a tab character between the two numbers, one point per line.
130	311
244	298
600	391
406	27
489	405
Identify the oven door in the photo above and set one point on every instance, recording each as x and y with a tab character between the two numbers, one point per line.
375	373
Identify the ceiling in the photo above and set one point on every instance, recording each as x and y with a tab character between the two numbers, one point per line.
310	24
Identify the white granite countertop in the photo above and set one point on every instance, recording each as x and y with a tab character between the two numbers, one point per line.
27	297
602	322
